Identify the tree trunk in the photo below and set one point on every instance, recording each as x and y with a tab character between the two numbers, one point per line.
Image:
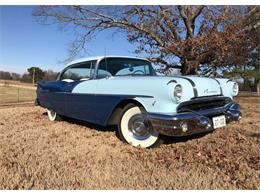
188	67
257	86
257	80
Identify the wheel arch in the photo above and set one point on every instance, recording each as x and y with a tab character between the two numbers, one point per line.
116	113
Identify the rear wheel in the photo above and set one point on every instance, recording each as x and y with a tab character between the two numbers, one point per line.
53	116
135	129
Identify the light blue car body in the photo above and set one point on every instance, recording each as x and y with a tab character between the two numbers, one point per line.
163	100
97	100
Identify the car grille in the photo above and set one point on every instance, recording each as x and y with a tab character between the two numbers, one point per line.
199	104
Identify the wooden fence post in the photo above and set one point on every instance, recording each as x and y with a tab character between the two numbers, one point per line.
18	94
258	89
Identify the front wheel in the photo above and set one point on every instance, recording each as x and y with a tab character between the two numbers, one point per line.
136	130
53	116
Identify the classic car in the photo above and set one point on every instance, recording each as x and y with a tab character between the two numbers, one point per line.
127	92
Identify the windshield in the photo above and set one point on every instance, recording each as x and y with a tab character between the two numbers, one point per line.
124	66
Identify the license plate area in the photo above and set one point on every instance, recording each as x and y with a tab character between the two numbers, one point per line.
219	121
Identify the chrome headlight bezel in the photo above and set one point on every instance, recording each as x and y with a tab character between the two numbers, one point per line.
177	93
235	89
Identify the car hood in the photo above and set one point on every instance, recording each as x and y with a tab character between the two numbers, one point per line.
200	86
203	86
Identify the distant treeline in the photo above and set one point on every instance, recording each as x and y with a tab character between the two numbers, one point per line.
33	72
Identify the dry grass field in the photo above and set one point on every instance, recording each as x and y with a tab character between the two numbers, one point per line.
38	154
11	82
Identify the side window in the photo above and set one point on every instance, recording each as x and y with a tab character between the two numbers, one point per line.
81	71
103	69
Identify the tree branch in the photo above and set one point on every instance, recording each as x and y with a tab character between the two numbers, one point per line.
186	21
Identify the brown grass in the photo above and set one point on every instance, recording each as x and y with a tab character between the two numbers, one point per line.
38	154
11	82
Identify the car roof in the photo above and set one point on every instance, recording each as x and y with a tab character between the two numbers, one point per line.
98	58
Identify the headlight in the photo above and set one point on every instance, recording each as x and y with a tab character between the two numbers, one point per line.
235	89
178	92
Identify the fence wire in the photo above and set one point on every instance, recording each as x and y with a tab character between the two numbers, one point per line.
248	94
10	94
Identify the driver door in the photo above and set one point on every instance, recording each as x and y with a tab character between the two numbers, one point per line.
78	85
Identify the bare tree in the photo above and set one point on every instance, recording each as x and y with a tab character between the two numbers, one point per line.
50	75
171	35
5	75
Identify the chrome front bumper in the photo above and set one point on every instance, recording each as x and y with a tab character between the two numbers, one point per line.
191	122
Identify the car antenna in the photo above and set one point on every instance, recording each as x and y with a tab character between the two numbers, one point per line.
106	61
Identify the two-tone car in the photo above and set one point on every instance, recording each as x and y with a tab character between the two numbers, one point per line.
127	92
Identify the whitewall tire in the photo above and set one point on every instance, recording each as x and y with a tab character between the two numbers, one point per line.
135	129
53	116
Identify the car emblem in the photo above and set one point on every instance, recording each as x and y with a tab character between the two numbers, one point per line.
207	91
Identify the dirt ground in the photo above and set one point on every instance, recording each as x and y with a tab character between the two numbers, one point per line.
38	154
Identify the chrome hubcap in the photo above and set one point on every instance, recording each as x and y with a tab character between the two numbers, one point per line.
138	127
52	113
